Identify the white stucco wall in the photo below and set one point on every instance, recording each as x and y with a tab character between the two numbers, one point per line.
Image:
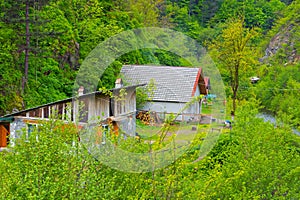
197	93
173	107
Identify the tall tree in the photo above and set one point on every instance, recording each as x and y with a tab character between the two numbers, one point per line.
141	11
233	53
22	14
9	73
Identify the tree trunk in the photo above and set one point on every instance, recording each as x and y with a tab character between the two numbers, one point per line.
27	46
234	102
235	87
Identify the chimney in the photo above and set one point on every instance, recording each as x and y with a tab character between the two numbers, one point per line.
80	91
119	83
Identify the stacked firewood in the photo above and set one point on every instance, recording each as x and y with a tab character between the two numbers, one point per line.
145	117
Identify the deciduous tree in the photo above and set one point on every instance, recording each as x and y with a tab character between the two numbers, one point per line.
233	53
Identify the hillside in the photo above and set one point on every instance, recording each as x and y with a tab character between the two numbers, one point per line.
278	90
43	45
43	69
284	46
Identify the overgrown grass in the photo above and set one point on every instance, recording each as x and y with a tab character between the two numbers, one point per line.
206	109
184	132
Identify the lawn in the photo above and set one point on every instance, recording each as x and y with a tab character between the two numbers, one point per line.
184	132
206	109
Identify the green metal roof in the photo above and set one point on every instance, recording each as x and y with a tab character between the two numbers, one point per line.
6	119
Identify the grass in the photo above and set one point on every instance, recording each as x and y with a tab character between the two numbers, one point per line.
206	109
147	131
184	135
183	131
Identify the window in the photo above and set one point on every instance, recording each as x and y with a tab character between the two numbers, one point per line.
30	128
105	131
121	107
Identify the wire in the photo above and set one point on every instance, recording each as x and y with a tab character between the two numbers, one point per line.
267	89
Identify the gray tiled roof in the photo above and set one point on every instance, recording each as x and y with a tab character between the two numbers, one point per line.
172	83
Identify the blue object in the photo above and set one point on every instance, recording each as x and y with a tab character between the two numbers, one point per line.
211	96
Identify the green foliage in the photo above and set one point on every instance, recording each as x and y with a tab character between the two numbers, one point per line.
279	92
145	94
256	13
9	74
71	29
284	37
44	165
233	54
254	160
143	11
110	75
180	16
258	169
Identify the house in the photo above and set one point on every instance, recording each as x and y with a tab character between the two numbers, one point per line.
83	109
254	79
175	86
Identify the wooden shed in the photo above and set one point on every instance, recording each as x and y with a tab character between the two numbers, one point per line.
85	109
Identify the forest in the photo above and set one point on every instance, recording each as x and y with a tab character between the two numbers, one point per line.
44	42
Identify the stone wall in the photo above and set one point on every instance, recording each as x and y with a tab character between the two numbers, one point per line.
16	130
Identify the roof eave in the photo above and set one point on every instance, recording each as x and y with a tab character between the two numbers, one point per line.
68	100
197	81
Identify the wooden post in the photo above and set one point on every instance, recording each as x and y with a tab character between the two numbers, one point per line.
49	111
42	113
63	112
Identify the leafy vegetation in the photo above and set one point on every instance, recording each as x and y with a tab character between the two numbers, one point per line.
254	160
43	44
234	54
279	92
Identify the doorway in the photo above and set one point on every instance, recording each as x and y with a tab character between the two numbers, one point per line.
4	134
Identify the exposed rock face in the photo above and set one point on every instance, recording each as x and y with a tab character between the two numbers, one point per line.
284	41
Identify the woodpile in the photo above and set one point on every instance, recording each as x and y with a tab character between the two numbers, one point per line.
145	117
